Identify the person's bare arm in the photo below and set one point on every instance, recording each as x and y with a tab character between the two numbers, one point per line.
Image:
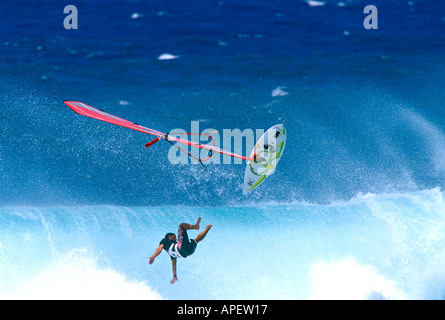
157	253
175	278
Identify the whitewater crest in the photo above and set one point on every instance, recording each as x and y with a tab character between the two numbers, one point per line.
346	279
76	275
167	56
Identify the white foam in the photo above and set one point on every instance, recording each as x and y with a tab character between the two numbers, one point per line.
124	103
313	3
77	276
279	92
347	280
167	56
137	15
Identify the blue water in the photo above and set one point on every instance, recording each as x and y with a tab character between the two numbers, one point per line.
354	210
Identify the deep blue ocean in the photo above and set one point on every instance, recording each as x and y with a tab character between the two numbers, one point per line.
355	209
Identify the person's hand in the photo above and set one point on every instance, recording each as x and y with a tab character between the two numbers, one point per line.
151	260
174	280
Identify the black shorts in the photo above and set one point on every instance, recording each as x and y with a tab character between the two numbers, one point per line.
186	247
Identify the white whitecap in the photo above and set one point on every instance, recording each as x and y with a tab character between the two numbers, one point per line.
167	56
279	92
124	103
314	3
137	15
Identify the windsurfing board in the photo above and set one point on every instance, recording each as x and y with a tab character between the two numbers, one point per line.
266	154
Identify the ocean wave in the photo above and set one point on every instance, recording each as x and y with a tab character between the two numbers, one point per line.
76	275
375	246
346	279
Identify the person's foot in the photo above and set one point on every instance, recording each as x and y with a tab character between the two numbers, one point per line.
196	226
202	235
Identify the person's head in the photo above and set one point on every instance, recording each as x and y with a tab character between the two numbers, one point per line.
170	236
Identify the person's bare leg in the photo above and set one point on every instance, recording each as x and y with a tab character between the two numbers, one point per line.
186	226
203	234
